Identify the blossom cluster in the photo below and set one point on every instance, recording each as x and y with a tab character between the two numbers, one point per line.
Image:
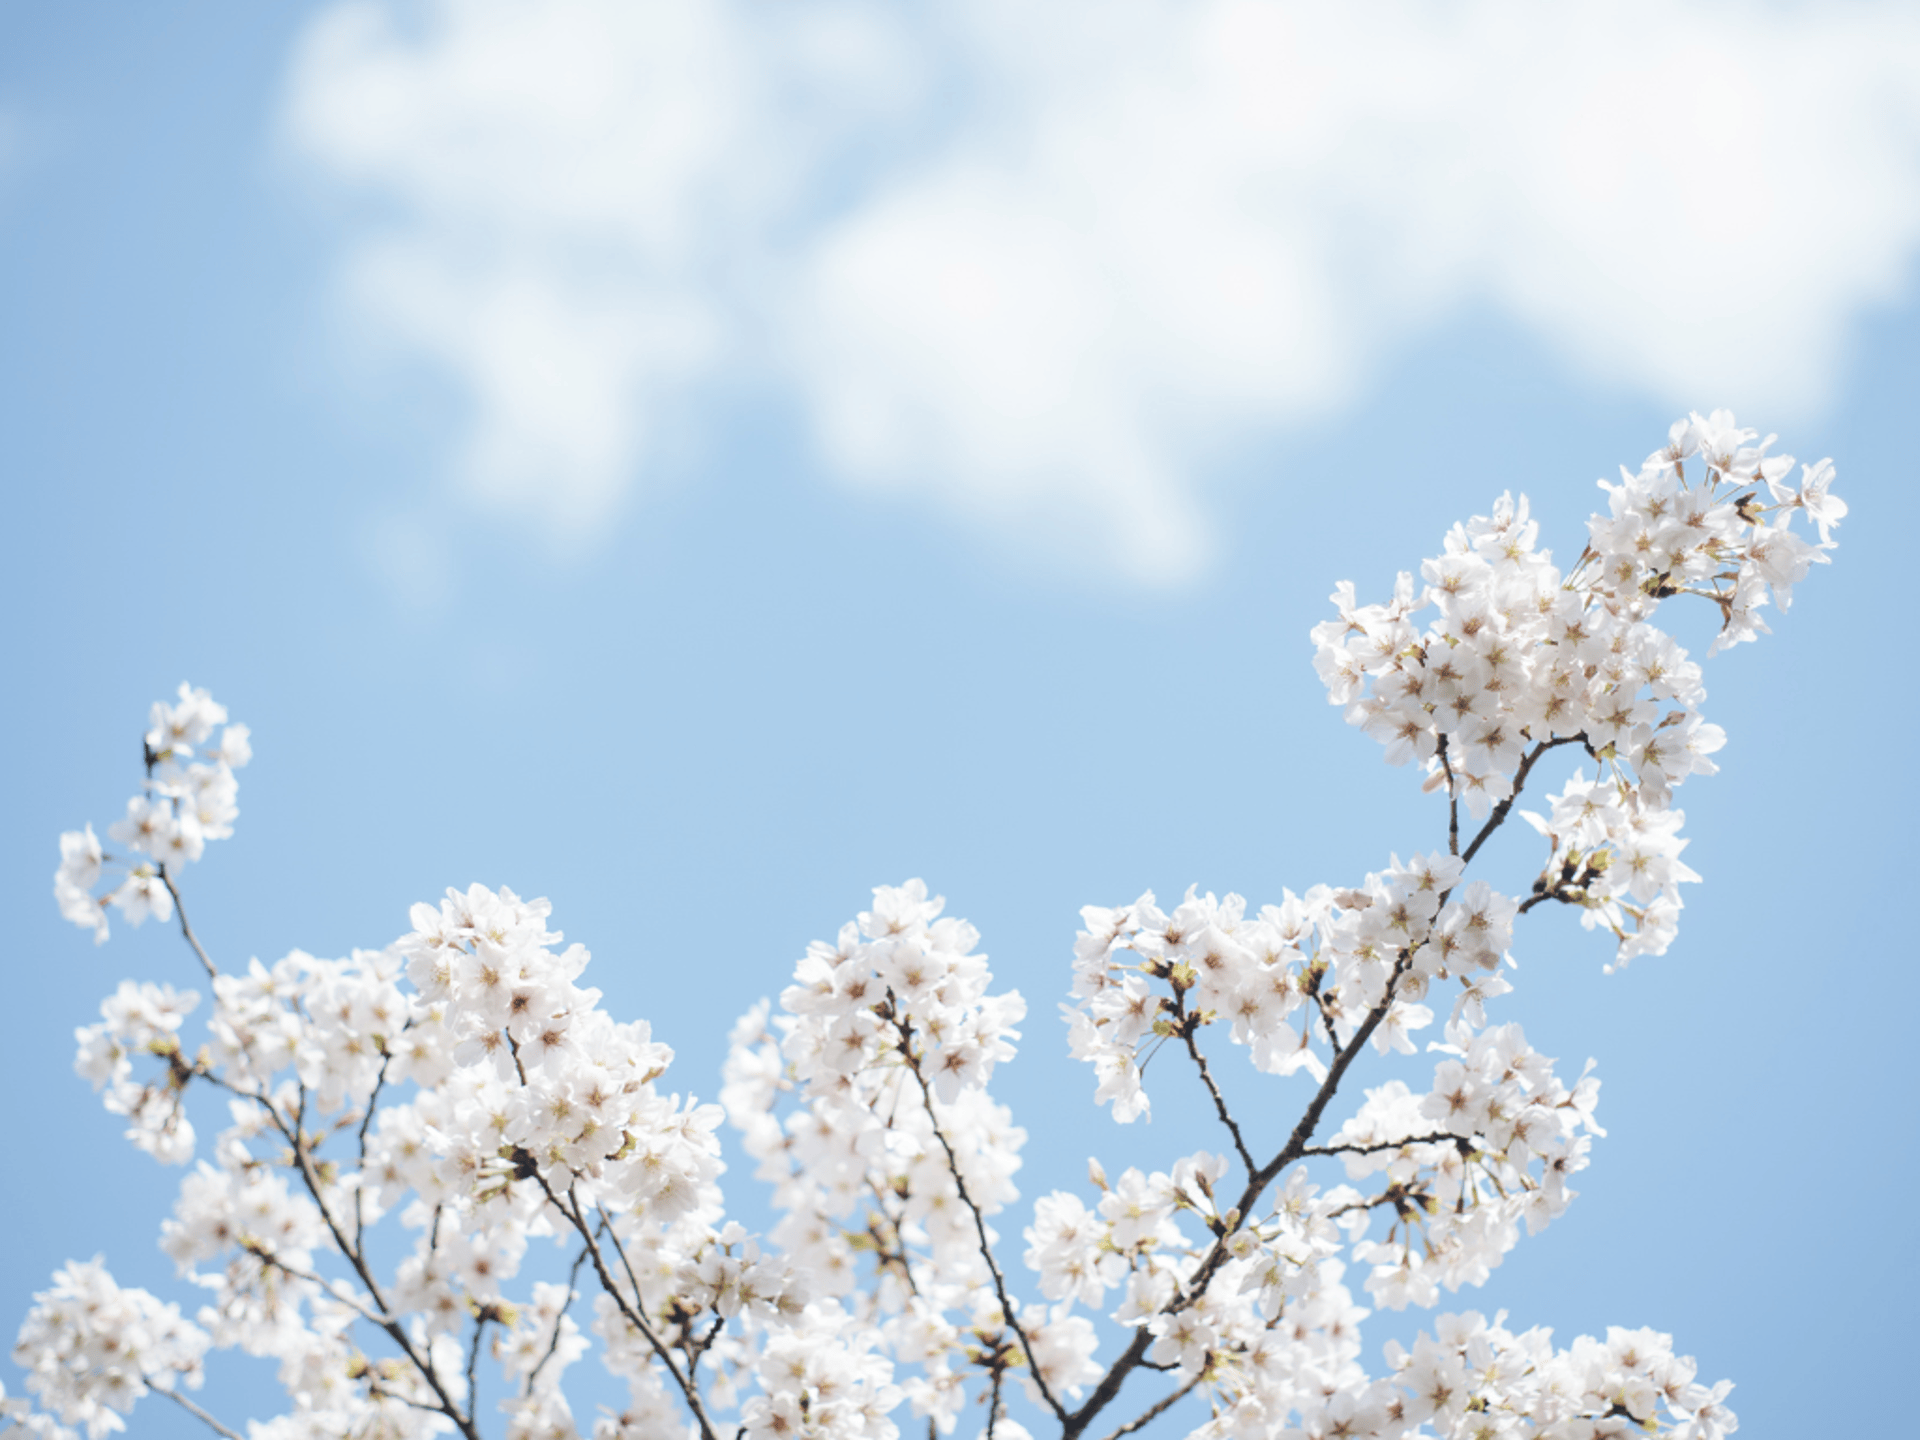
442	1177
92	1348
1472	1378
184	803
1489	1146
141	1019
1309	970
866	1107
1519	657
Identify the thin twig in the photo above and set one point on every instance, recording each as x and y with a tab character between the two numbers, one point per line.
979	1225
295	1137
699	1347
1447	1139
993	1400
573	1287
1136	1351
186	929
192	1409
633	1316
1453	801
373	1100
606	1229
381	1392
473	1365
897	1257
1519	779
1206	1076
1159	1407
268	1258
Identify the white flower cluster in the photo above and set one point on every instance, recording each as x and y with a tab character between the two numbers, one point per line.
1270	1328
141	1019
1511	1133
824	1381
184	803
1471	1380
1331	955
465	1084
1520	658
91	1348
549	1080
882	1056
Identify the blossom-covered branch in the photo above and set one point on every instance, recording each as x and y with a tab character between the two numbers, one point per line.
398	1127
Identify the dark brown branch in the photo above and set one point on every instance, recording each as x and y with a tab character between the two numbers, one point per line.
630	1311
1109	1386
699	1347
381	1316
1449	1138
473	1366
1297	1143
1389	1197
979	1224
373	1101
1158	1408
606	1229
1499	815
295	1137
1182	1020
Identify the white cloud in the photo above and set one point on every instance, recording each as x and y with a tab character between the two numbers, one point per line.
1040	262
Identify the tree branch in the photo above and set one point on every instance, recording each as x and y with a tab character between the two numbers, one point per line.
1159	1407
630	1312
192	1409
295	1137
180	909
1448	1138
979	1223
573	1286
1499	815
373	1101
1296	1145
1186	1030
473	1365
267	1257
894	1256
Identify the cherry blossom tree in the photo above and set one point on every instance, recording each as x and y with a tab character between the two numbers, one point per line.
459	1095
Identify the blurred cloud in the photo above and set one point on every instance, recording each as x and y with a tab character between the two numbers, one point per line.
1041	263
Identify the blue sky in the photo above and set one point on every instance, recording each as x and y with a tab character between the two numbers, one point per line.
620	522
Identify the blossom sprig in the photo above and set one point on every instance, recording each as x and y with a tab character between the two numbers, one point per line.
1519	658
464	1088
188	799
91	1348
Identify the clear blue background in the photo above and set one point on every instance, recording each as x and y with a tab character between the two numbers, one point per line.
767	695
